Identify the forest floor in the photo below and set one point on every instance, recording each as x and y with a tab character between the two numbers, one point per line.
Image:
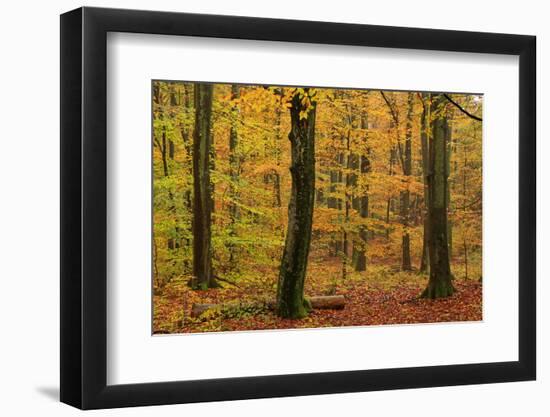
379	296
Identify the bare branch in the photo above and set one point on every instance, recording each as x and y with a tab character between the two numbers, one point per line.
459	107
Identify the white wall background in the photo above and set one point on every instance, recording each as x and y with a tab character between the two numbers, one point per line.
29	225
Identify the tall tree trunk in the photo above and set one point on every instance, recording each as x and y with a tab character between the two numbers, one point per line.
335	201
359	257
396	153
234	168
439	284
347	205
292	274
464	194
186	103
187	109
173	243
449	144
332	203
405	195
202	199
424	127
389	202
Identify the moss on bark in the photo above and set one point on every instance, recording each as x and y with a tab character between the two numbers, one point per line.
292	273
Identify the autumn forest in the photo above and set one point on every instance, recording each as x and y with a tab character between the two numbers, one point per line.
298	207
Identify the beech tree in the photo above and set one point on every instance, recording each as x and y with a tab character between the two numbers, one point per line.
439	284
202	198
290	289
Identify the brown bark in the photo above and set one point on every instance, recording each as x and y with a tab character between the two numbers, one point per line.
405	195
439	284
424	128
359	257
202	199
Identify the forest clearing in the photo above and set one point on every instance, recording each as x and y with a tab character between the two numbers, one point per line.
266	197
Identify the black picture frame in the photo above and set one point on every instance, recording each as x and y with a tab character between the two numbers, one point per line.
84	207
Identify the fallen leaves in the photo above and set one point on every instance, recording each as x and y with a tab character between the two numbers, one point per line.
370	301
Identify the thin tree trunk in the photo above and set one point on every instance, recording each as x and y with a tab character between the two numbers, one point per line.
449	144
156	275
234	168
336	177
173	243
202	199
405	195
163	152
276	174
186	102
347	206
359	257
464	190
389	202
292	274
465	245
333	203
424	128
439	284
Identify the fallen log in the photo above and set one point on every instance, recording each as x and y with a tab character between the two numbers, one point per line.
325	302
328	302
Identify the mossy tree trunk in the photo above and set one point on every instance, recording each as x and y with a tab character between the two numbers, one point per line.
290	289
202	190
439	284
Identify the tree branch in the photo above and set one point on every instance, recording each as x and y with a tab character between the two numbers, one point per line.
479	119
156	142
392	112
395	118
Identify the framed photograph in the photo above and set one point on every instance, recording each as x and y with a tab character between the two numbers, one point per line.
257	208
